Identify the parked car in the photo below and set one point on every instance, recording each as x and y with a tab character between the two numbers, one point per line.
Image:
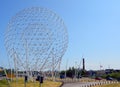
109	78
98	78
78	77
118	79
62	76
0	75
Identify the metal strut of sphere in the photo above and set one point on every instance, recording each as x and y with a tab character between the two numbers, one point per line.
36	38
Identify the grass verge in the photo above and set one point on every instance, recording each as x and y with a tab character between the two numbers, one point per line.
20	83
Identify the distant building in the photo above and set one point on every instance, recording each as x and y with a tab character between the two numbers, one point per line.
91	73
108	71
116	70
1	68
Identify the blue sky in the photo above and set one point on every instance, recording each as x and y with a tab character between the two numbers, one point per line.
93	28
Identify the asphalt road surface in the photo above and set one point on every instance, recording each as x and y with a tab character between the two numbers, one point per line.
80	84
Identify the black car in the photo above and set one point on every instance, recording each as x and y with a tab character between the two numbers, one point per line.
118	79
109	78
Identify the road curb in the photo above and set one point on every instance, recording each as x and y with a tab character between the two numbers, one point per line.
61	84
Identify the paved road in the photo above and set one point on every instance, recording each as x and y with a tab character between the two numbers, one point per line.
80	84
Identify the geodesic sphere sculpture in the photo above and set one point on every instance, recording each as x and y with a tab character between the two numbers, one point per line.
37	38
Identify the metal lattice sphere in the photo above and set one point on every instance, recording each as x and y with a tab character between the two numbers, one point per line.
37	38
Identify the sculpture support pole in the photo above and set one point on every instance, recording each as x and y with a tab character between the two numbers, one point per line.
53	77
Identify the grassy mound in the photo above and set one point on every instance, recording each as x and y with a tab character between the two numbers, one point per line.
3	83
